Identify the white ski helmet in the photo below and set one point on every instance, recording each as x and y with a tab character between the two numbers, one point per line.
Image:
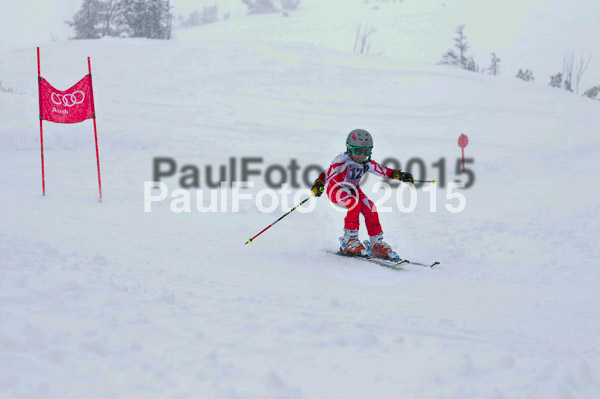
359	138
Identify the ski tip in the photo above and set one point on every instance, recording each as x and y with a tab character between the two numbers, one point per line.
435	263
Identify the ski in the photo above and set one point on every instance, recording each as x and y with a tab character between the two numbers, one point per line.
395	257
390	264
410	262
395	262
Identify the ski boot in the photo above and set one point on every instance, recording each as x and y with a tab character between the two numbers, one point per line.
350	245
377	248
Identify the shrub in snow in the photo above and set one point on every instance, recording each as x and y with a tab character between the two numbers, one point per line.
6	89
525	75
556	80
593	92
260	6
10	90
210	15
207	16
449	58
289	5
471	65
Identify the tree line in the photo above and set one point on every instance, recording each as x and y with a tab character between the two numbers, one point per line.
122	18
458	56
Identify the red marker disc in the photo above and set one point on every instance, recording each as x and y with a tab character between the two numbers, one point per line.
463	141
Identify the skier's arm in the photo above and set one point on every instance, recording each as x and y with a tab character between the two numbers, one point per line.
335	172
396	174
378	170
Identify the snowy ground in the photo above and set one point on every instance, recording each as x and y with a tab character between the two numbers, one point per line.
105	300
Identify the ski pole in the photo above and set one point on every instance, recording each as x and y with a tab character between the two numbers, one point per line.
269	226
426	181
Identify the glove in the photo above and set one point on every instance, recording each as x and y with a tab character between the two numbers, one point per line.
403	176
318	187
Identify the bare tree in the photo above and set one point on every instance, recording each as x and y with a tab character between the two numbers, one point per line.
361	41
169	21
583	64
494	65
110	9
568	61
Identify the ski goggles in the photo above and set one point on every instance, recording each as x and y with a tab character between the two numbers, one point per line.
361	151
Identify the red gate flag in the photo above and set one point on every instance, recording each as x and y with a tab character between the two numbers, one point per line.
69	106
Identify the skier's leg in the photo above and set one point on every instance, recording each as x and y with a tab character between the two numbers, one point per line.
349	200
379	248
369	211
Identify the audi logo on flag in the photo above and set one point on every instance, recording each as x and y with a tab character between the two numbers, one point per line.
68	100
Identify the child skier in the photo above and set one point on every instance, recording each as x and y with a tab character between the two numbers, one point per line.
342	180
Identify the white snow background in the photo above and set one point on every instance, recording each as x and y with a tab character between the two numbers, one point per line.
107	301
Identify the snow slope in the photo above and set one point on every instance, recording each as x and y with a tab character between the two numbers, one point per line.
525	34
105	300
